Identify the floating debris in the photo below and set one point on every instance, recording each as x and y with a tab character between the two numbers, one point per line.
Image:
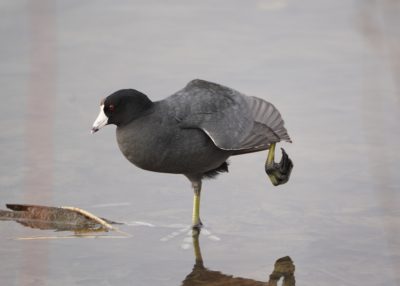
58	218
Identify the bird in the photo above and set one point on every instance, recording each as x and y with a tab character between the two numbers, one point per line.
194	131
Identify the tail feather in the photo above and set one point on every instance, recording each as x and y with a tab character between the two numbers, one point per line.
268	127
215	172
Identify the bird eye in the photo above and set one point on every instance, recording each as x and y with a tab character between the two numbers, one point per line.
111	107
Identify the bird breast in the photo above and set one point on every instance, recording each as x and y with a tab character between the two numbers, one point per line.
167	148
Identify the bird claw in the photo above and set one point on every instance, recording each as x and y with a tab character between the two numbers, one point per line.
279	173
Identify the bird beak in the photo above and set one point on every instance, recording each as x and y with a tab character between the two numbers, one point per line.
101	120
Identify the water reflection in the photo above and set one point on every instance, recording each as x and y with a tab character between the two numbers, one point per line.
200	275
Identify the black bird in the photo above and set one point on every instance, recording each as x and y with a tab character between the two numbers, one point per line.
194	131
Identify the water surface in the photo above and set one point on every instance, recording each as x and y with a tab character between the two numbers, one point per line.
331	67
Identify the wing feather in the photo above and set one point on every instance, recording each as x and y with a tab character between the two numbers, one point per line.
232	120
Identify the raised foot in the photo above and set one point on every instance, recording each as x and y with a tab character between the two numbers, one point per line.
279	173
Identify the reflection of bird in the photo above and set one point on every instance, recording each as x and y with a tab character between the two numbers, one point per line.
200	275
194	131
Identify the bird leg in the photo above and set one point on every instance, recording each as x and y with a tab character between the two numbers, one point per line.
196	222
278	173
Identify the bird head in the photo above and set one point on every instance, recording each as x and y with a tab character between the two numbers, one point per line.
121	107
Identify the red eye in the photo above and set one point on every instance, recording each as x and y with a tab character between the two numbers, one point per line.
111	107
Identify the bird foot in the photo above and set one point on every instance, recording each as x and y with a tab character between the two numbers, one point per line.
279	173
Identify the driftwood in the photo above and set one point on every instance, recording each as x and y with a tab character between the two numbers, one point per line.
57	218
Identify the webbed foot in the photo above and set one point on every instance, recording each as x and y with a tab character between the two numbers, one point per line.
278	173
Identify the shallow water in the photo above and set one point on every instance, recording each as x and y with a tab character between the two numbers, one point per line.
331	67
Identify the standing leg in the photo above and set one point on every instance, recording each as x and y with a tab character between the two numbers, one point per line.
196	222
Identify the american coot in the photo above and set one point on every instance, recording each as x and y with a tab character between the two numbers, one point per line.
194	131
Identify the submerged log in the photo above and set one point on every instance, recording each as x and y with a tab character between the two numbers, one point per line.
57	218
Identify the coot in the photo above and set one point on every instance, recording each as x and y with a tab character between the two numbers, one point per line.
194	131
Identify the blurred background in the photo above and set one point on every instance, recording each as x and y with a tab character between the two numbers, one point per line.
331	67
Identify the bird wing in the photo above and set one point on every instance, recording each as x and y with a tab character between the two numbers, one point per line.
232	120
268	126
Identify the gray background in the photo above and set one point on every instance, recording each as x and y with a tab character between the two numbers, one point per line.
331	67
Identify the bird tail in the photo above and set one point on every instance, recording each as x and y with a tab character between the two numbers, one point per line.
215	172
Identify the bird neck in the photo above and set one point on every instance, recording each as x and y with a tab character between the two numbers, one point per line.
139	107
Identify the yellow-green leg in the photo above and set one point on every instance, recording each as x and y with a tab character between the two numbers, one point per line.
196	209
270	163
278	173
196	222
